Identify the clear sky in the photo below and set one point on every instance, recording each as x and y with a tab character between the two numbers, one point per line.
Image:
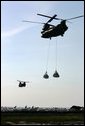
24	55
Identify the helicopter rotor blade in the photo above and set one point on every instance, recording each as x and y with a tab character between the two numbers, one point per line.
33	22
60	18
19	80
69	18
44	15
75	17
50	16
24	81
36	22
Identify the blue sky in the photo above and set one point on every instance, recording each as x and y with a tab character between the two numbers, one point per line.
24	55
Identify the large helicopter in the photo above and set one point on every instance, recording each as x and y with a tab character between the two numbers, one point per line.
22	83
49	30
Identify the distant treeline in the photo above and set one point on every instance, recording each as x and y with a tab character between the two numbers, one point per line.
76	109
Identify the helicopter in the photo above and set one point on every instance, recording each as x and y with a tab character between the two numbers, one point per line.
22	83
49	30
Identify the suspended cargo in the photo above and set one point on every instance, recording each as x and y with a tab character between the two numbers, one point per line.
46	75
56	74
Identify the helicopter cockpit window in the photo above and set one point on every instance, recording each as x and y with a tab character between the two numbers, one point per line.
45	27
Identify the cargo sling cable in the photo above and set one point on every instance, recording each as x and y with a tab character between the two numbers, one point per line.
46	76
56	73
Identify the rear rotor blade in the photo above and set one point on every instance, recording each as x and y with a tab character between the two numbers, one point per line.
19	80
75	17
27	81
61	18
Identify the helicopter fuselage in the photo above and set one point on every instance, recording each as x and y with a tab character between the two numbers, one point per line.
54	31
22	84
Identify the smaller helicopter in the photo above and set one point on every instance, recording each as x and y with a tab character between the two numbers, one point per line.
22	83
49	30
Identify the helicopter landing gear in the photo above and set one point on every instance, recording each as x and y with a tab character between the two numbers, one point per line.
46	75
56	74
